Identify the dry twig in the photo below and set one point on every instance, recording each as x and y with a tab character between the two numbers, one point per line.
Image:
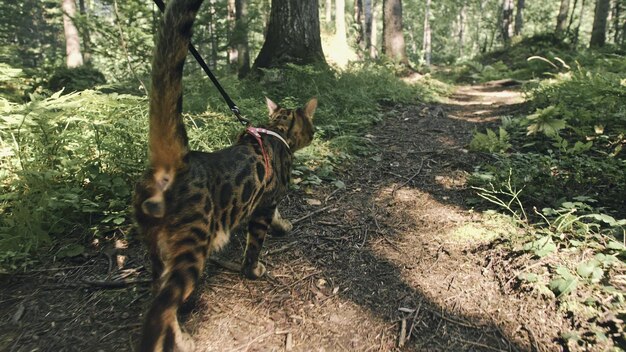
311	214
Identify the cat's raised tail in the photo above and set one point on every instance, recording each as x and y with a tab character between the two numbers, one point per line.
168	142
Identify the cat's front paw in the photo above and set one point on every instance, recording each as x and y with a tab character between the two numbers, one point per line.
281	227
255	272
184	343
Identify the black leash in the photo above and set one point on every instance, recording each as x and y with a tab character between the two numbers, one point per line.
231	104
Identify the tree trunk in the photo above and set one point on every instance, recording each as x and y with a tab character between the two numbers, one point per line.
571	18
561	19
293	35
462	20
367	26
328	18
478	41
358	21
231	55
393	36
241	37
340	22
617	14
74	58
598	33
212	36
506	20
623	35
373	32
580	21
519	17
86	35
426	46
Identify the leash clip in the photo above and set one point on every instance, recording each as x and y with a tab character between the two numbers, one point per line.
244	121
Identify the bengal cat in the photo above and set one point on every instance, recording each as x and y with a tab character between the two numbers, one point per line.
188	202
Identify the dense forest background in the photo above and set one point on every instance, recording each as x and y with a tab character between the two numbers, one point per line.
116	39
74	76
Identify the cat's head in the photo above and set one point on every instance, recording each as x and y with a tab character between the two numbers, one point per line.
296	125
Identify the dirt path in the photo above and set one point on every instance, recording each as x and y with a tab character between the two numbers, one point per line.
394	261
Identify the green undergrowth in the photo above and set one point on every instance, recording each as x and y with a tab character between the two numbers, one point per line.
68	160
537	57
560	174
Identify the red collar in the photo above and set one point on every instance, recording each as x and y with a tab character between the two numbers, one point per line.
256	133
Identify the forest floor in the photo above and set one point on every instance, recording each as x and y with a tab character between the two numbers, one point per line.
393	261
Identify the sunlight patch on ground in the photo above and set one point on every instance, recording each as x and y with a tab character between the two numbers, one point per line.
421	205
326	321
455	180
485	97
472	234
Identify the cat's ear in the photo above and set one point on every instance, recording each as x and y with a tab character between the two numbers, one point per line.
271	106
309	108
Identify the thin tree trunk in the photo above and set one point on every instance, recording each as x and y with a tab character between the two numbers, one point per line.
571	18
506	20
562	18
623	44
340	22
74	58
86	35
241	37
598	33
623	38
358	21
367	26
231	54
393	35
374	32
580	21
617	14
519	17
212	36
426	46
479	25
462	19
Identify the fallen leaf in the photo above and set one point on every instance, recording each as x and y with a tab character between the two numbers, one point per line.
313	201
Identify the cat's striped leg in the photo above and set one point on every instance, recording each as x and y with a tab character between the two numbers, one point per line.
257	230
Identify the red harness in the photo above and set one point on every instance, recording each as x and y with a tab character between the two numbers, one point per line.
256	133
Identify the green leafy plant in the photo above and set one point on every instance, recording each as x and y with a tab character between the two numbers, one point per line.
490	141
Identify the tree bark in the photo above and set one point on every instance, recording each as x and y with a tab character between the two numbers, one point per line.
74	58
598	33
561	19
506	20
293	35
241	37
427	48
519	17
393	35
